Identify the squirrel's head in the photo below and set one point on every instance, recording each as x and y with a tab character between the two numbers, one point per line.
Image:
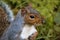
31	16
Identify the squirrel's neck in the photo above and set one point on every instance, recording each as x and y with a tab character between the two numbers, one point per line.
27	31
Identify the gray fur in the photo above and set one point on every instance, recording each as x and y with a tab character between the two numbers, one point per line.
32	10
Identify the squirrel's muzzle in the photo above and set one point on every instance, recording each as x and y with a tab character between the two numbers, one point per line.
39	20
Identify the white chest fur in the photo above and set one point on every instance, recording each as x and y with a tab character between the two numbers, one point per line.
27	31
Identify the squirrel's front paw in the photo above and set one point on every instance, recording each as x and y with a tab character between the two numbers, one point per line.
33	36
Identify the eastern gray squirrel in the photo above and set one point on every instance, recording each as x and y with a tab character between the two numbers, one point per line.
6	16
23	26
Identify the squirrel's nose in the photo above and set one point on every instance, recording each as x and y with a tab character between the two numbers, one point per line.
43	21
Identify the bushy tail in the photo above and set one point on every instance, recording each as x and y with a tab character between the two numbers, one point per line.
8	11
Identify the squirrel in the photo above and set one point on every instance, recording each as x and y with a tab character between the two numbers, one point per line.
23	26
6	16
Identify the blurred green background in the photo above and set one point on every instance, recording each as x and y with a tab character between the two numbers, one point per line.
50	9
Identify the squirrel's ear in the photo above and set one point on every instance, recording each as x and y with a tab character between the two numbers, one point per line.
24	11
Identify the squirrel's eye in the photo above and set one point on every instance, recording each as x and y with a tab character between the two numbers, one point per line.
32	16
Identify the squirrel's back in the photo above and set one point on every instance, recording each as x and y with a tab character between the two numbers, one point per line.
6	16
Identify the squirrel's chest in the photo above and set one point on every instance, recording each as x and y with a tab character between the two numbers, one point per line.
27	31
